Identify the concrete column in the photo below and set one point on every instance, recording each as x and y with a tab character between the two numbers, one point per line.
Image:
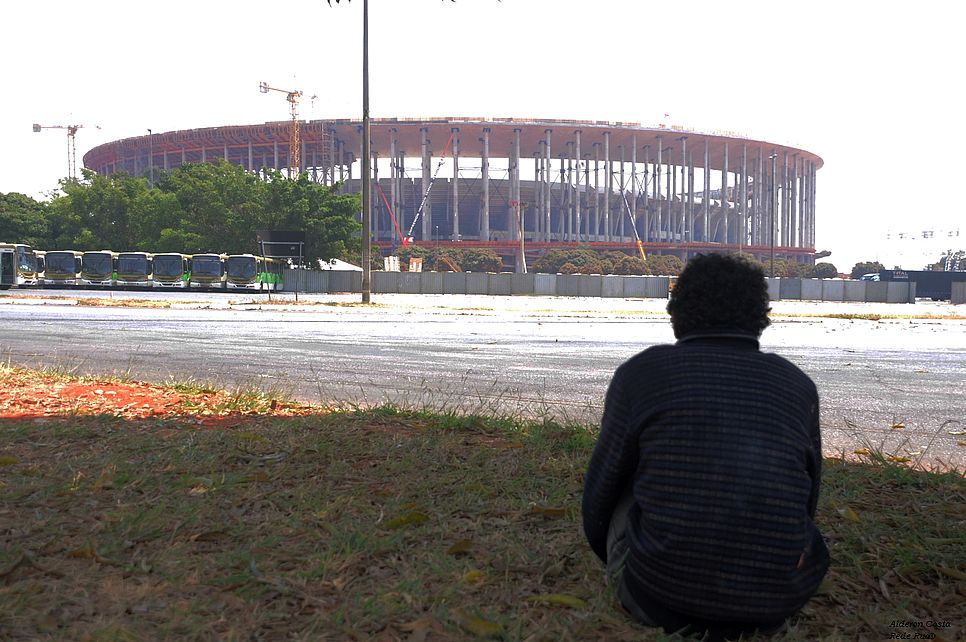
669	193
393	174
340	152
569	193
608	186
426	158
691	235
595	235
374	195
621	206
706	205
546	185
328	139
537	195
725	211
633	197
657	191
516	209
646	226
485	211
587	199
251	158
785	235
812	180
561	219
743	203
456	183
756	205
682	222
577	203
794	223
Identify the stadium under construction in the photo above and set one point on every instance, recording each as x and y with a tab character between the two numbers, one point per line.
535	184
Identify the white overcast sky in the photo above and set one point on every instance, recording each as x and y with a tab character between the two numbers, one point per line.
874	88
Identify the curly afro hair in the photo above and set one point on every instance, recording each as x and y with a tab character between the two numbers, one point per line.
718	292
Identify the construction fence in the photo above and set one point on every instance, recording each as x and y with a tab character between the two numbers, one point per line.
580	285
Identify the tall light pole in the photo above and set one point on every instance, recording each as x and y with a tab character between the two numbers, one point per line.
366	157
366	161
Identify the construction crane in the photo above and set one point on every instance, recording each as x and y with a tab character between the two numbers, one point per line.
71	146
295	144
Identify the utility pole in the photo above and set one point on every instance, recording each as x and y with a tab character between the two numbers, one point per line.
366	203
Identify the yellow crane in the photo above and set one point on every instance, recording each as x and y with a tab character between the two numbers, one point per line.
71	145
295	143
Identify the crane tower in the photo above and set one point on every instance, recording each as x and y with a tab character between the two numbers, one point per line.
292	96
71	146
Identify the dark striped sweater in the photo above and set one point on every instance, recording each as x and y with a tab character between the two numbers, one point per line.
722	445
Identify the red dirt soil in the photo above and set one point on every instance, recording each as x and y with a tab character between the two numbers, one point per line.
30	395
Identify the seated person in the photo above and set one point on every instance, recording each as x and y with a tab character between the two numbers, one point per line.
701	491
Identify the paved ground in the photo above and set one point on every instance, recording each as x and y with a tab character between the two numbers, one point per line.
899	383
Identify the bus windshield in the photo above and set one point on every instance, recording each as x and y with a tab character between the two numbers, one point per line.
61	263
241	267
132	264
97	263
27	259
168	265
206	266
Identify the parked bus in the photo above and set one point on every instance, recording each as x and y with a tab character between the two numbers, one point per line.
208	271
99	268
41	265
135	269
62	268
20	268
172	270
250	272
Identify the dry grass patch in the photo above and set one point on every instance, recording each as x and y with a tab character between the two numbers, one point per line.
388	525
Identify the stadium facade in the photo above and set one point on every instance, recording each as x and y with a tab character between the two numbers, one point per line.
511	182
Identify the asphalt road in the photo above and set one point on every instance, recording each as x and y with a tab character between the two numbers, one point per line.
540	356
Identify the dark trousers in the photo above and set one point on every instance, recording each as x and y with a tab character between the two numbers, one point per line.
617	551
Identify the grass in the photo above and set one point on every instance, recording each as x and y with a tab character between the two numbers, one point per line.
391	524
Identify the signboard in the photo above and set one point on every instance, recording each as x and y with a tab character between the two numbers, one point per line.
278	244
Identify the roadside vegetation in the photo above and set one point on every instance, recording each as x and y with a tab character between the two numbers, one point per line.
131	511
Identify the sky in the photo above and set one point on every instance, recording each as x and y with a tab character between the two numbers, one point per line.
871	87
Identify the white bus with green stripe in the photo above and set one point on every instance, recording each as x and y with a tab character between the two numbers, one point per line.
172	270
98	268
250	272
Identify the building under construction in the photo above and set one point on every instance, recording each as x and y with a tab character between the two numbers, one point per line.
512	182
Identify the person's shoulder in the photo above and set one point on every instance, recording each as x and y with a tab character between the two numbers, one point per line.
781	363
648	357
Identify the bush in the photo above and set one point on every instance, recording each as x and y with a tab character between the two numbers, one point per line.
824	271
866	267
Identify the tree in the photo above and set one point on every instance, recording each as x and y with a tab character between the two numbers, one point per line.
825	271
23	220
866	267
482	260
665	264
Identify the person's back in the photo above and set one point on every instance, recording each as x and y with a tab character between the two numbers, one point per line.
701	492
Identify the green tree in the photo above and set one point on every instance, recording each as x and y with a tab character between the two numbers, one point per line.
482	260
866	267
825	271
23	220
328	218
96	212
665	264
219	206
